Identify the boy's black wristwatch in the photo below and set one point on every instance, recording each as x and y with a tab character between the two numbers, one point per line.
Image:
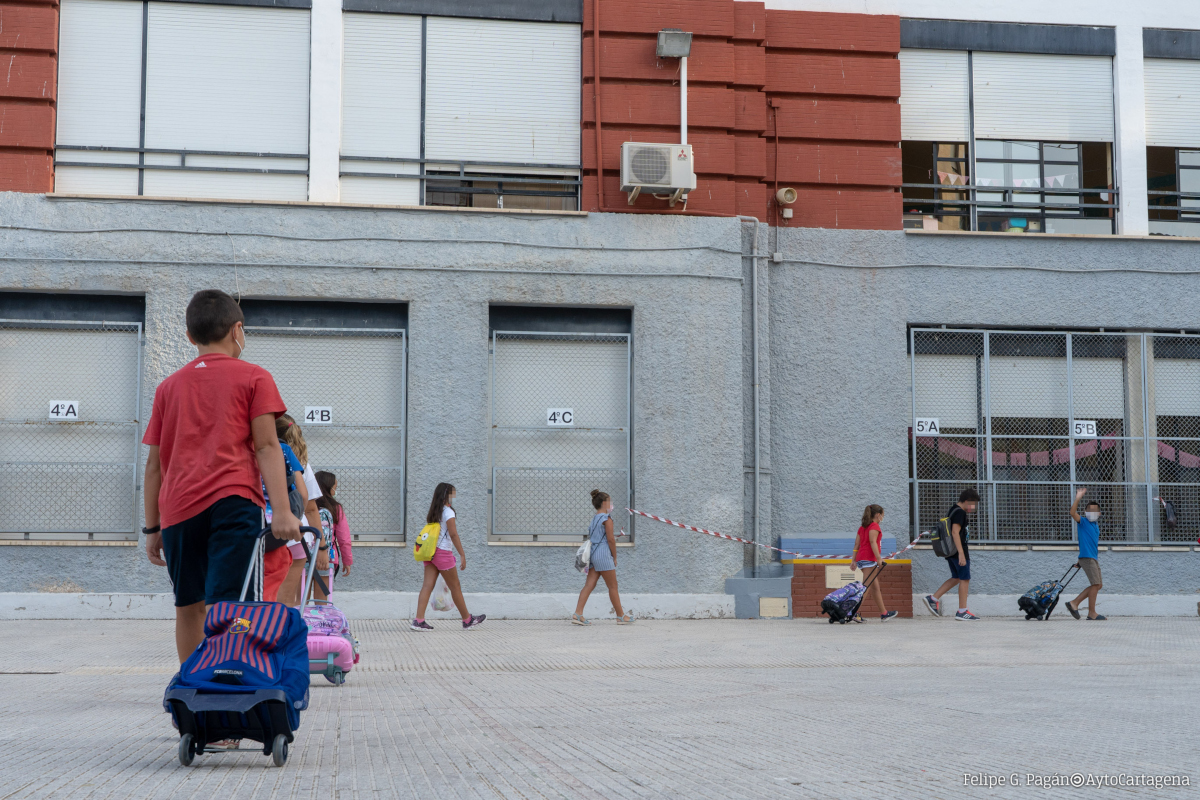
155	529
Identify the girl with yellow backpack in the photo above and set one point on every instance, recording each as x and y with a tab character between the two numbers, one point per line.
435	547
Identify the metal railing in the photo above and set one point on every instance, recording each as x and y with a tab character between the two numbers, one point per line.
441	178
971	206
182	154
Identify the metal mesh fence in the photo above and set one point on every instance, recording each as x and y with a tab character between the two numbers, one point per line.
69	411
359	376
1028	417
560	428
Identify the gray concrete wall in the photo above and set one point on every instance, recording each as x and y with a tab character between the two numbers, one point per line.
834	374
681	276
841	406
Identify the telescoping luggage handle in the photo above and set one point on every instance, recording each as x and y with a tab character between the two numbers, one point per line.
1054	605
871	580
257	556
311	572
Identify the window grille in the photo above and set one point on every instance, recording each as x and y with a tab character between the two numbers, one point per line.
1026	417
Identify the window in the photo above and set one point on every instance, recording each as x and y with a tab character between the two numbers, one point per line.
1053	169
1027	417
998	125
499	101
306	345
70	416
224	91
560	420
1173	180
930	166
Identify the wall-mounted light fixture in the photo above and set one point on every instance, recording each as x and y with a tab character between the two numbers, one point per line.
674	43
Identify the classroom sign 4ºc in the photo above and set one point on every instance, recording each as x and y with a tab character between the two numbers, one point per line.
560	417
63	411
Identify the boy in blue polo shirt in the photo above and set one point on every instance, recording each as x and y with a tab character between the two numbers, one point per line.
1089	549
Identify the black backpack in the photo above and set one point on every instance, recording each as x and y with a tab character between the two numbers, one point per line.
943	542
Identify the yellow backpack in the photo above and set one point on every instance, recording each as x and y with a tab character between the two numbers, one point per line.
426	543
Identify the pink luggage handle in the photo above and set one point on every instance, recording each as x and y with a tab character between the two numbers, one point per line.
257	556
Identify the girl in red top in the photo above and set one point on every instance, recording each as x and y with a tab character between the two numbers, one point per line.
867	556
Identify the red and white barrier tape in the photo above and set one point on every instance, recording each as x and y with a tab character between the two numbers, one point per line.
756	544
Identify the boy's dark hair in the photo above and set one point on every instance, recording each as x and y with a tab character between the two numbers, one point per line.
211	314
1091	503
968	495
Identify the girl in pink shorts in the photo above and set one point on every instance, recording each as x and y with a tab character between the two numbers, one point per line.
441	510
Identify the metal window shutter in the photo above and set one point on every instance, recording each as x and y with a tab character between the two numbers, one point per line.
1175	381
231	79
502	91
1043	97
1172	102
381	105
99	93
935	102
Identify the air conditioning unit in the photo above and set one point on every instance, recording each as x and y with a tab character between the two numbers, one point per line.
663	169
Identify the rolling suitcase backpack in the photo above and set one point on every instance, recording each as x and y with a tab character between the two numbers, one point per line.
1039	602
248	679
842	604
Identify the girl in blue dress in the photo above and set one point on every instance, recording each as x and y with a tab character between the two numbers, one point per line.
604	561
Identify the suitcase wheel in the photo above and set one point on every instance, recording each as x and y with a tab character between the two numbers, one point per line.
185	750
279	750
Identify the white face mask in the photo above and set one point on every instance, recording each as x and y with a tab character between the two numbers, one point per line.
1092	515
242	345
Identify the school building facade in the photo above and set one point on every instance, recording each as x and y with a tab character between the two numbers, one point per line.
922	253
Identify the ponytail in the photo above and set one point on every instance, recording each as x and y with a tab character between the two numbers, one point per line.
869	514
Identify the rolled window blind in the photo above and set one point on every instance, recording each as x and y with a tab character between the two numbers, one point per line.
1043	97
381	105
1172	102
233	80
934	96
502	91
99	94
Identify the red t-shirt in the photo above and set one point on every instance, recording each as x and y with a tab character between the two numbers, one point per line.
201	424
863	551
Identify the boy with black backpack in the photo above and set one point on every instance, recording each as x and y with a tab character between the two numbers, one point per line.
950	541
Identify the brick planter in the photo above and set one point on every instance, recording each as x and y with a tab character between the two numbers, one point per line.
808	588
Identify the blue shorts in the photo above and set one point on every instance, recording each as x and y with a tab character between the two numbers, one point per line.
963	573
207	556
865	564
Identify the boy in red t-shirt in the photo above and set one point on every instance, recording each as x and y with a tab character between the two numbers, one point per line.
211	435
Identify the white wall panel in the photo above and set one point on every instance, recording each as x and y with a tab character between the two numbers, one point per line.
502	91
935	102
1172	102
99	92
1043	97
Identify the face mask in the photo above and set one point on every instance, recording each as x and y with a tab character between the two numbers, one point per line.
1092	515
242	345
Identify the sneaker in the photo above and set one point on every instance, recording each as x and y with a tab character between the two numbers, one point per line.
935	605
888	615
965	615
474	622
420	626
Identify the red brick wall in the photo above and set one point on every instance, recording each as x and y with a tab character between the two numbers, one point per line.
808	590
28	82
827	83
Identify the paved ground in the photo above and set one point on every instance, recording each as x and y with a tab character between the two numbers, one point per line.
684	709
